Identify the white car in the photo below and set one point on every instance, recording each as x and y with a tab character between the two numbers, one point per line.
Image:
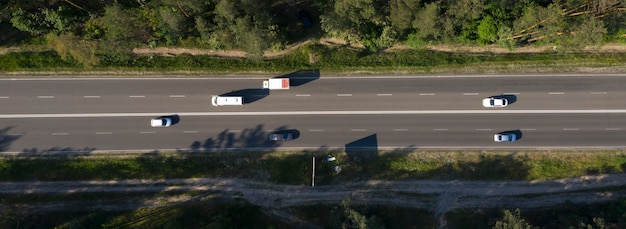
504	137
495	102
161	122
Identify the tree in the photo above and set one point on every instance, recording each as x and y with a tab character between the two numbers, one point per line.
487	30
426	21
589	32
512	220
402	13
33	23
358	21
345	216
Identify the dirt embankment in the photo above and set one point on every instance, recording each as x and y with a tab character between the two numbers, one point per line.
436	196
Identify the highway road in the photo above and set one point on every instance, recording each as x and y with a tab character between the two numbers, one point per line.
551	111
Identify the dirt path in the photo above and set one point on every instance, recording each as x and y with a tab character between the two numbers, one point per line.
439	197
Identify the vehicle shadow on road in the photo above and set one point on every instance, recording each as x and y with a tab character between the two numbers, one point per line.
175	118
510	97
301	77
249	95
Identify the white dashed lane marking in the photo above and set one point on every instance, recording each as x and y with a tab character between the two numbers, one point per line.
177	96
470	93
400	129
528	129
440	129
598	93
45	97
91	96
571	129
384	94
104	133
511	93
303	95
357	130
483	129
427	93
147	132
556	93
136	96
612	129
57	134
316	130
191	131
344	94
4	97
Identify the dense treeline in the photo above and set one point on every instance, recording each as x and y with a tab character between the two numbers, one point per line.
91	31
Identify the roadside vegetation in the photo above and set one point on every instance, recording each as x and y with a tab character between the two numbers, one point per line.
224	210
392	36
295	167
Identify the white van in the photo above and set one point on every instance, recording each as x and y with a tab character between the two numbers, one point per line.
226	100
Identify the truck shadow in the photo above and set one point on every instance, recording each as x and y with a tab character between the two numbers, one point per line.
249	95
301	77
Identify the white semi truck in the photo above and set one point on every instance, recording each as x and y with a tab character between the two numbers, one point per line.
276	84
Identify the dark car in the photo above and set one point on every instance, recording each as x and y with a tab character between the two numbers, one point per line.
281	136
304	17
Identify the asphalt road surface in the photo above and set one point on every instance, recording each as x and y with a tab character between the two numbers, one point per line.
548	111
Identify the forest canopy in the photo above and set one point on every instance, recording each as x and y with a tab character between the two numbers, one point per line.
113	27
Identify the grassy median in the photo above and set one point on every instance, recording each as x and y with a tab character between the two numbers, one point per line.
295	167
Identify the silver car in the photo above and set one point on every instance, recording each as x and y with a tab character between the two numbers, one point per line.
504	137
278	136
495	102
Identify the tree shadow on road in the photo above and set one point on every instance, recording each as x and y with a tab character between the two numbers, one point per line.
6	139
246	139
